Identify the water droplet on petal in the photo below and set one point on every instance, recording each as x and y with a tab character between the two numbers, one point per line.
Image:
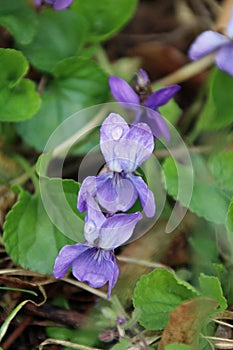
117	133
90	227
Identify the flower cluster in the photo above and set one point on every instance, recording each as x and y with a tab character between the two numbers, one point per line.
57	4
107	197
211	41
142	95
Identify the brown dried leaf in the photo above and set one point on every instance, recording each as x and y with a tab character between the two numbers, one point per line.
186	321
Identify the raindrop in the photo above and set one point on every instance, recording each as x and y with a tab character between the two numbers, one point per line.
117	133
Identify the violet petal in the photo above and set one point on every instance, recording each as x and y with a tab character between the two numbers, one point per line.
206	43
229	29
66	257
61	4
146	196
143	76
115	193
156	123
93	221
161	96
122	91
87	190
224	58
117	229
115	274
135	147
96	267
112	130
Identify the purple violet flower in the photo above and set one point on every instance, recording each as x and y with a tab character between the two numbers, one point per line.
210	41
94	261
125	149
57	4
143	95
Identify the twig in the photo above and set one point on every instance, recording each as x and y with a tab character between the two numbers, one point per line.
188	71
230	341
22	272
201	9
69	318
143	341
86	287
214	6
224	16
224	323
142	262
50	341
42	84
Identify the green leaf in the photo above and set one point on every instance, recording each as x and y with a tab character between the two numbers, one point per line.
177	346
13	66
18	98
77	84
60	196
207	200
19	19
229	227
124	344
86	336
211	287
105	17
226	277
221	166
4	327
157	294
31	240
217	112
171	111
229	220
19	103
60	34
70	189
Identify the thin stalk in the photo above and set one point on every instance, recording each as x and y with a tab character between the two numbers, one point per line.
224	323
51	341
86	287
188	71
103	60
30	171
217	339
142	262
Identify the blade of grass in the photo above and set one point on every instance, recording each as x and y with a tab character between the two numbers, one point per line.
20	290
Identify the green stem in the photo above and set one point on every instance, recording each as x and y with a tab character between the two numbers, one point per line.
103	60
194	134
30	172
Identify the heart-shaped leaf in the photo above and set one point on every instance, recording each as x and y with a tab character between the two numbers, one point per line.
18	98
19	19
31	239
77	84
60	34
157	294
105	17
